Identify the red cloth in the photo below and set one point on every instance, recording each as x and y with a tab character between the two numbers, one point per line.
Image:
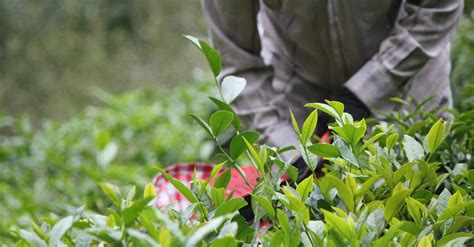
167	195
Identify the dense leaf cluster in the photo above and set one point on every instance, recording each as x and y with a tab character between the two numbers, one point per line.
405	181
58	165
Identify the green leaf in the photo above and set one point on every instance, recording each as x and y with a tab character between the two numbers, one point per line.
325	108
395	203
213	57
352	133
459	238
395	228
214	172
193	40
217	195
112	192
317	228
376	221
148	224
324	150
340	224
298	207
410	227
442	202
305	187
211	226
470	177
172	225
263	154
230	206
425	241
460	222
223	180
391	139
132	212
59	229
338	106
278	239
451	211
335	238
231	87
149	191
424	196
254	155
229	229
107	155
141	239
402	171
367	184
219	121
351	183
412	148
455	199
225	241
371	140
225	107
295	124
416	210
203	124
309	158
399	100
435	136
283	221
102	138
265	204
32	238
344	192
131	193
346	151
309	126
180	187
292	173
238	146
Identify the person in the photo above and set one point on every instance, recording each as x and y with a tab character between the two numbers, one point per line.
292	52
361	53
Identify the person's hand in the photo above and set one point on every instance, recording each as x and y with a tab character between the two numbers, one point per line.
352	105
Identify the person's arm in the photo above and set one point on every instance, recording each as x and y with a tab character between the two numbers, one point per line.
421	31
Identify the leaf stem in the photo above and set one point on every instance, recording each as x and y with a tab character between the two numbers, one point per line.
236	166
309	236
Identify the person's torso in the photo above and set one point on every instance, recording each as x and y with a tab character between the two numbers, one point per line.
324	41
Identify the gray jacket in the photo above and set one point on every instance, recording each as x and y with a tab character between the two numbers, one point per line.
297	51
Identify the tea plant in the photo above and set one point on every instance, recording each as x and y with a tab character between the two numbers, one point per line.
398	182
58	164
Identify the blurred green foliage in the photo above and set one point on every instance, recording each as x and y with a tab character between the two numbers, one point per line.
53	51
462	75
59	165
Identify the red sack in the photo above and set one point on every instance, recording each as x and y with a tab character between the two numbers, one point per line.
167	195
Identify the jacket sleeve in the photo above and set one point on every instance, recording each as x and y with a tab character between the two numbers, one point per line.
232	26
422	30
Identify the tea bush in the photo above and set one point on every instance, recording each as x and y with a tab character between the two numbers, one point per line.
60	164
405	181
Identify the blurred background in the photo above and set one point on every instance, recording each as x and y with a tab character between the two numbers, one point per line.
100	90
54	52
